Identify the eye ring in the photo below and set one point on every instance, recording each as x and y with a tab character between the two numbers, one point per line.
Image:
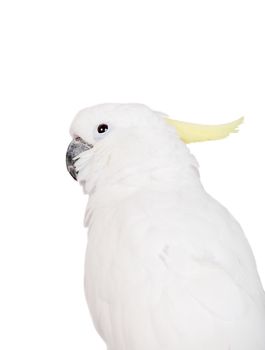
102	128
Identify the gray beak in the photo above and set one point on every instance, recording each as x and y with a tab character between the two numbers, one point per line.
76	147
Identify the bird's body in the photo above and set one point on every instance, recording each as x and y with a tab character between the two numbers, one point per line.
167	267
177	274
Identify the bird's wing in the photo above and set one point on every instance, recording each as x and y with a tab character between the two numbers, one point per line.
192	278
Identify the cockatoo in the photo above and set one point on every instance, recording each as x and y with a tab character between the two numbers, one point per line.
167	267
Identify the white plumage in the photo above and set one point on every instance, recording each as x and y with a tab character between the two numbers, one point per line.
167	267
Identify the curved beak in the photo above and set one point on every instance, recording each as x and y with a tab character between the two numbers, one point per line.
76	147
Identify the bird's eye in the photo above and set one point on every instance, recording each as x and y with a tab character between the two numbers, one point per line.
102	128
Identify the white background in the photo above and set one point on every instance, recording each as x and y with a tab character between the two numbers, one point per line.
199	61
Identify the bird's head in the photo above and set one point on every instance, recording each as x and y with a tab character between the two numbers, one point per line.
131	145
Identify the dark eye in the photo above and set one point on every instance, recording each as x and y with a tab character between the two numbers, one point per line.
102	128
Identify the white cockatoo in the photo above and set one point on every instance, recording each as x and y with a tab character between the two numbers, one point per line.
167	267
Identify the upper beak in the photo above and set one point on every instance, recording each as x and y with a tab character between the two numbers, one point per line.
76	147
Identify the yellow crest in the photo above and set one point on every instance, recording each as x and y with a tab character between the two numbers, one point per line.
190	132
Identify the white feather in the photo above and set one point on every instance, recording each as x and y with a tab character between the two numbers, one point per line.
167	267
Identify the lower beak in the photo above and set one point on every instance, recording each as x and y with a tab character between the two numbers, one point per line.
76	147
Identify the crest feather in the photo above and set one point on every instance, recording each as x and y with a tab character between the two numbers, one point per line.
190	132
